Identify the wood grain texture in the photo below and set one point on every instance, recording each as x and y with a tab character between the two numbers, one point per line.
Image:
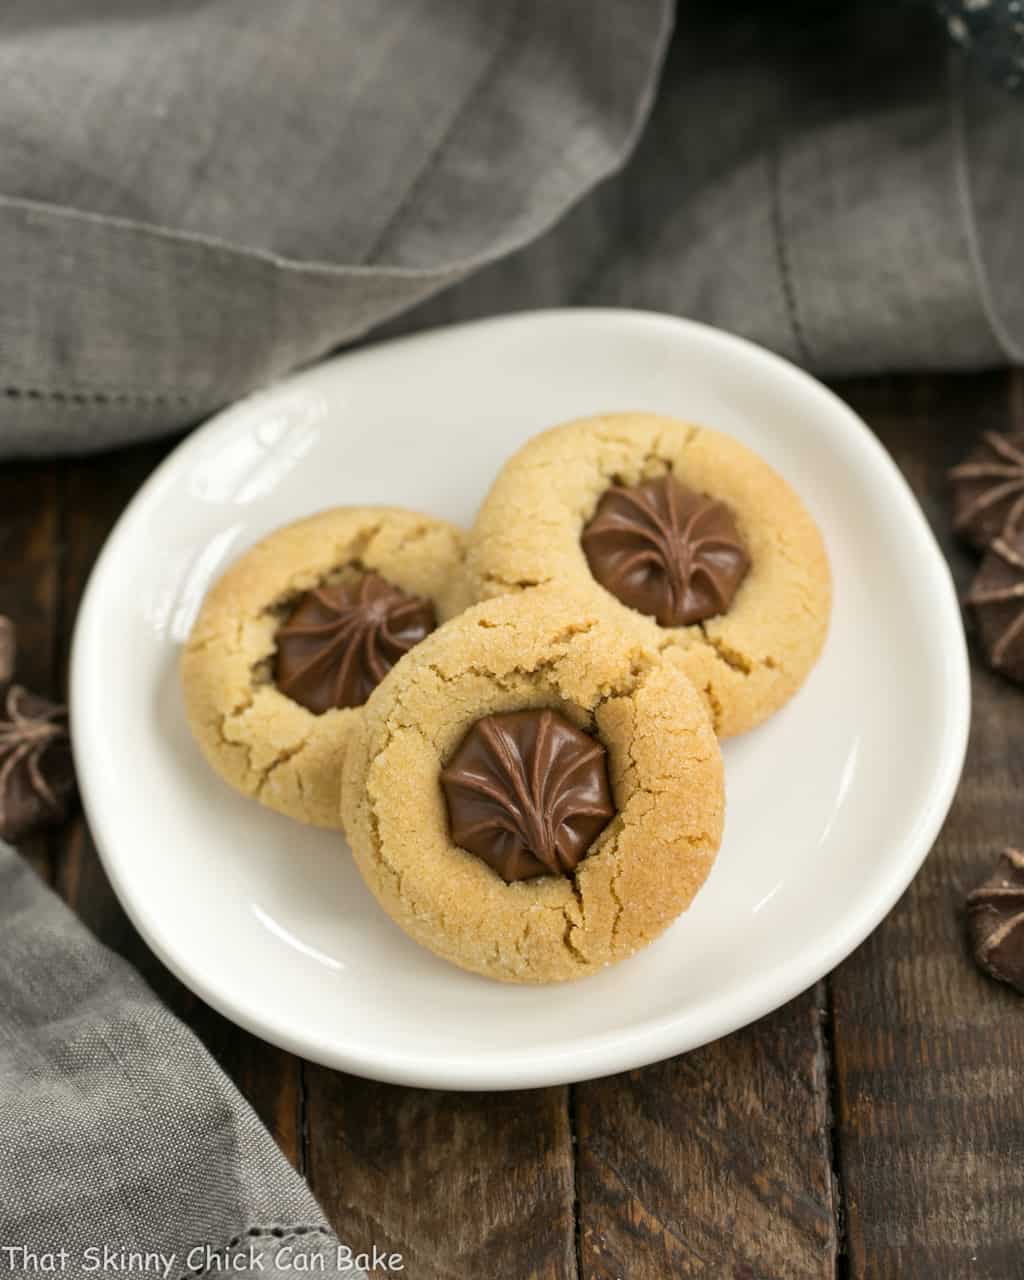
462	1185
92	494
29	593
928	1050
713	1164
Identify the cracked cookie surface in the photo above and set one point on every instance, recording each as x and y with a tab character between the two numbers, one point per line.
746	662
259	740
542	648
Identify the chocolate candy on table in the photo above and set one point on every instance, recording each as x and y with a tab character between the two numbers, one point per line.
988	488
340	640
995	914
528	793
666	551
37	777
997	600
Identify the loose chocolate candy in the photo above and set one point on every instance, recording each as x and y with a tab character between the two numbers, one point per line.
528	793
37	778
988	488
666	551
997	598
339	641
995	914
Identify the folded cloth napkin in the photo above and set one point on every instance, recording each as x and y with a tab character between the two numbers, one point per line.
196	198
123	1146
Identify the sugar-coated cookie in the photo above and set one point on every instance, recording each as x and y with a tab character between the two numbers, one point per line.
533	793
291	640
684	533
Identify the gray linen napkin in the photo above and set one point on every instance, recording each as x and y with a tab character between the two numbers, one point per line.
196	198
834	181
118	1131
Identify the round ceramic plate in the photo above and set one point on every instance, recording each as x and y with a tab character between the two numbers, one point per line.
832	805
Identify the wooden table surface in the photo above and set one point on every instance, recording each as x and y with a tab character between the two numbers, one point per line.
874	1126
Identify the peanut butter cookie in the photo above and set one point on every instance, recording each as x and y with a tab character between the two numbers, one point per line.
685	534
533	793
290	642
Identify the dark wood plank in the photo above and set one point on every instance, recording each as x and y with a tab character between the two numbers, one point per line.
93	492
29	556
713	1164
461	1185
928	1051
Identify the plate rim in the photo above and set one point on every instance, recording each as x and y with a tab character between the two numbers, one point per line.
659	1037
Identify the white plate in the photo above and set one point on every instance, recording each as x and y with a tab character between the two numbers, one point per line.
832	805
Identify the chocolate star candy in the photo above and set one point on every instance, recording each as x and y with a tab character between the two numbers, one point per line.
339	642
997	599
528	793
995	914
37	779
666	551
988	488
